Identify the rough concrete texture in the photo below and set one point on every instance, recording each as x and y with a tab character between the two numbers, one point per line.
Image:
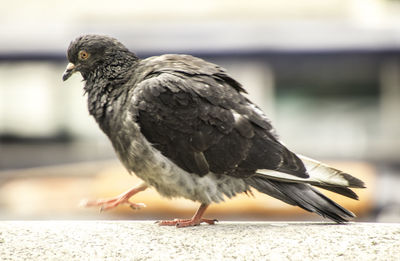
132	240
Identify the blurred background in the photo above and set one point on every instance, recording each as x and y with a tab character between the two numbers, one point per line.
327	73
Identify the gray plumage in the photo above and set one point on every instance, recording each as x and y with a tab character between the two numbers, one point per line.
183	126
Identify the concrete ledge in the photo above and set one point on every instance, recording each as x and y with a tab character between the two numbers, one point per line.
132	240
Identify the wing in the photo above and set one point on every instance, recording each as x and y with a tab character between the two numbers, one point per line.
203	123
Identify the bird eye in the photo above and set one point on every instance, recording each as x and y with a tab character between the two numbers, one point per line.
83	55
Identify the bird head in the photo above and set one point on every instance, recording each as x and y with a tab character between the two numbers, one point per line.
87	52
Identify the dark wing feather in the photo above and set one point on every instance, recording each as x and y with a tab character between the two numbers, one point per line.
194	113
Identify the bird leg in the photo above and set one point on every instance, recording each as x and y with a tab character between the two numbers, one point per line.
194	221
106	204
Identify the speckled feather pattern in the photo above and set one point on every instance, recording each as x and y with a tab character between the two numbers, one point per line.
139	156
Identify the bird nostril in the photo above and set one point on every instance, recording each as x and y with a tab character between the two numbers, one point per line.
70	66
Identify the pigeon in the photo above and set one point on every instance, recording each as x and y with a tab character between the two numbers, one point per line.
185	127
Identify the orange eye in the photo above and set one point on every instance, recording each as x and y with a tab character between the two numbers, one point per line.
83	55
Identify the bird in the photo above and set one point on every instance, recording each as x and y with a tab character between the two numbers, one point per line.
186	128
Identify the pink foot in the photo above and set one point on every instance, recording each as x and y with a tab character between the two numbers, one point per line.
194	221
107	204
186	222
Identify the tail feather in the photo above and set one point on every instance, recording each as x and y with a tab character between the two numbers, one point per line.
298	191
302	195
341	190
328	175
320	175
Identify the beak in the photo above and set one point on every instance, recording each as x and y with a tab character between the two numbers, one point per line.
68	71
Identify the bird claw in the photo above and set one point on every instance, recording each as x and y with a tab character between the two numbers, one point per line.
136	206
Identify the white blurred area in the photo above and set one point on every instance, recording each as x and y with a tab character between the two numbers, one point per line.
327	72
155	25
